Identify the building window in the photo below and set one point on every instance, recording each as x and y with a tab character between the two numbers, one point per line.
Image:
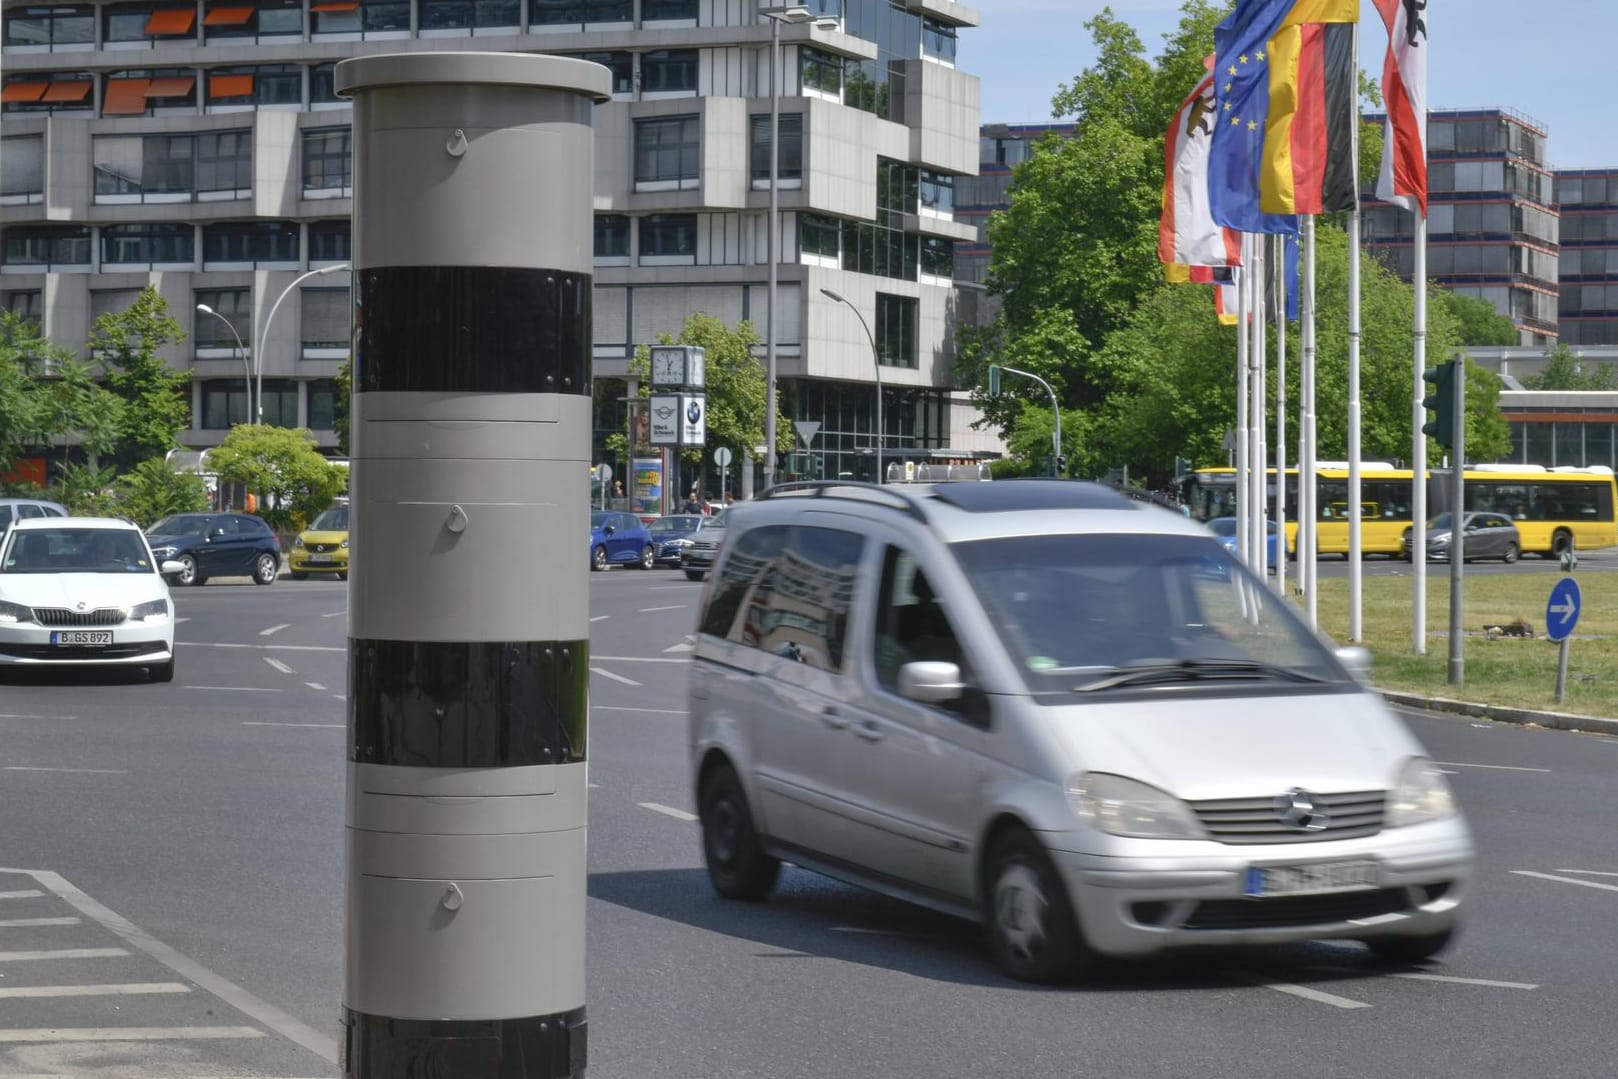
789	163
357	16
267	18
232	304
146	22
137	93
141	168
896	330
224	403
329	241
466	14
279	402
148	242
24	303
322	85
875	249
327	160
612	236
52	27
48	93
325	404
250	241
820	71
47	245
819	235
267	84
668	235
564	12
897	188
938	40
937	192
668	10
668	71
225	162
324	316
668	150
22	168
937	257
621	64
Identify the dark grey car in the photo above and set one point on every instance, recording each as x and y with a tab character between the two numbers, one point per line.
698	557
1488	535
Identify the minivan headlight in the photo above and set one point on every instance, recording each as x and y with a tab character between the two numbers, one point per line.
1421	794
13	613
1129	808
157	611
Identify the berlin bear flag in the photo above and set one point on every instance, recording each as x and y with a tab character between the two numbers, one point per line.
1404	90
1187	234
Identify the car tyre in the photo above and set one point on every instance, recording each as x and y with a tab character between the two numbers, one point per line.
161	672
297	576
694	574
737	864
1561	544
1509	555
647	560
266	568
1405	951
188	574
598	559
1033	934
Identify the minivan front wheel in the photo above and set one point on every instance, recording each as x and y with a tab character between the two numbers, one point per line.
1032	930
737	864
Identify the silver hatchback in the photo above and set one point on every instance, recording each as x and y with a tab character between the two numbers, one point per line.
1070	716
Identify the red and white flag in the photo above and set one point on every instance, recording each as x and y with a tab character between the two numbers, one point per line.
1404	91
1187	234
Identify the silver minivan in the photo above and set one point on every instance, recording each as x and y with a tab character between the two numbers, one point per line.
1071	716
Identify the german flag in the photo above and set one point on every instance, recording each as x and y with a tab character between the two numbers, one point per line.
1308	163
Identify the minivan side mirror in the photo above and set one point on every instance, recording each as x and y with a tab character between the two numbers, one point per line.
1356	659
931	682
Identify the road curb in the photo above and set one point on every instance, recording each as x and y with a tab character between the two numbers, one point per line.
1562	721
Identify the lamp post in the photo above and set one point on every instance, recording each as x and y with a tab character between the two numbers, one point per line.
247	374
877	356
1056	408
792	13
264	330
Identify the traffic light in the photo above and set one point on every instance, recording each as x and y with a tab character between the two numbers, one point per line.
1441	402
994	380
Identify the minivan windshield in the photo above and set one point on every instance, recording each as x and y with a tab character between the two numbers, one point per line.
1082	613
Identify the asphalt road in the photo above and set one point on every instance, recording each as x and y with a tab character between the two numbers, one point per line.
185	845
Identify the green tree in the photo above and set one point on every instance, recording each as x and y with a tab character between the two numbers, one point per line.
1476	320
156	405
1565	371
87	490
153	490
345	401
23	354
281	466
73	404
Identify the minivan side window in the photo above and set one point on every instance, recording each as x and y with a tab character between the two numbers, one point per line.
741	581
911	625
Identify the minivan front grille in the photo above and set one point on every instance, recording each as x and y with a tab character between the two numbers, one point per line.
1260	820
61	616
1287	912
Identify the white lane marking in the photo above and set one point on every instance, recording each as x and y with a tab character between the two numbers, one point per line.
667	811
25	923
637	659
177	621
322	1045
267	723
1567	880
19	715
671	607
267	647
234	689
278	665
81	771
1588	872
620	708
316	685
126	989
62	953
334	614
27	893
1302	991
615	677
601	618
681	647
1495	767
273	630
127	1034
672	587
340	697
593	786
1449	979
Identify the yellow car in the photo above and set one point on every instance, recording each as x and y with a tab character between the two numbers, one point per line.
322	547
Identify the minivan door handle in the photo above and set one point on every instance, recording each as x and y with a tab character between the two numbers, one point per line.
868	730
833	719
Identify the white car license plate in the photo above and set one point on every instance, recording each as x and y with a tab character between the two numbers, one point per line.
1311	879
320	558
81	636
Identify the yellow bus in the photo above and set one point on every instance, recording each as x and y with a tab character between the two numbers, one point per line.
1555	509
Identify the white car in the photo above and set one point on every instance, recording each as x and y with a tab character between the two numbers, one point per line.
84	591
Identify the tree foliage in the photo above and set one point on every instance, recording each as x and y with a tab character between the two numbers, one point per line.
281	466
153	490
345	402
157	406
1565	371
1477	322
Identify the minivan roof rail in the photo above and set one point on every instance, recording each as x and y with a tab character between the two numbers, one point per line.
851	489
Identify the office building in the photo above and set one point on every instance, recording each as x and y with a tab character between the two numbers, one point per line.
1588	311
200	148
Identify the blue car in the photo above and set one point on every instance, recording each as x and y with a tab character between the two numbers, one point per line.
672	534
619	538
1225	529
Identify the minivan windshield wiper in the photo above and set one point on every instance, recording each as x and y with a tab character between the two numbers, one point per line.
1149	671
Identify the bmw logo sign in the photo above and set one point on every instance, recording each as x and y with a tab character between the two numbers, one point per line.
693	411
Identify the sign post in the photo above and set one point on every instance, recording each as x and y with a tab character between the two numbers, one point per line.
1561	615
721	457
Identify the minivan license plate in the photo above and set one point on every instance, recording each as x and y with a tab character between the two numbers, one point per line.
1311	879
81	636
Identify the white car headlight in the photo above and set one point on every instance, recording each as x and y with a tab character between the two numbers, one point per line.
1439	541
1127	807
343	545
13	613
1421	794
153	613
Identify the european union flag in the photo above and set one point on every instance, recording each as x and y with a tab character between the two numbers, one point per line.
1242	106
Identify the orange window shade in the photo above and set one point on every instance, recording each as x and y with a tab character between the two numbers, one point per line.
171	87
22	91
229	86
124	97
336	5
64	90
171	21
227	16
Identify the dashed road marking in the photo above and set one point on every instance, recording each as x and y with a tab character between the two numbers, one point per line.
657	711
681	647
1588	872
601	618
29	923
80	771
127	1034
668	811
26	893
266	647
235	689
177	621
19	715
615	677
671	607
1451	980
637	659
316	685
62	953
278	665
1494	767
1302	991
334	614
268	723
273	630
124	989
1567	880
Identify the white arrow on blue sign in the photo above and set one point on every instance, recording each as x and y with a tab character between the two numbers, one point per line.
1562	609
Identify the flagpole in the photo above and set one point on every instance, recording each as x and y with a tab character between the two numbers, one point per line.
1356	570
1418	452
1281	417
1259	354
1243	462
1308	492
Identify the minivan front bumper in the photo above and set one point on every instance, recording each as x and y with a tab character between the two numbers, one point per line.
1135	905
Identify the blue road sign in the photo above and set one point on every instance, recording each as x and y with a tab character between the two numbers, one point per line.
1562	610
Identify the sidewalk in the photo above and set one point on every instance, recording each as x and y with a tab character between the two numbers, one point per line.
1562	721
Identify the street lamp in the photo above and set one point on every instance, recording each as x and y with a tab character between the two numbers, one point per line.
877	356
1056	408
264	330
247	375
792	13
